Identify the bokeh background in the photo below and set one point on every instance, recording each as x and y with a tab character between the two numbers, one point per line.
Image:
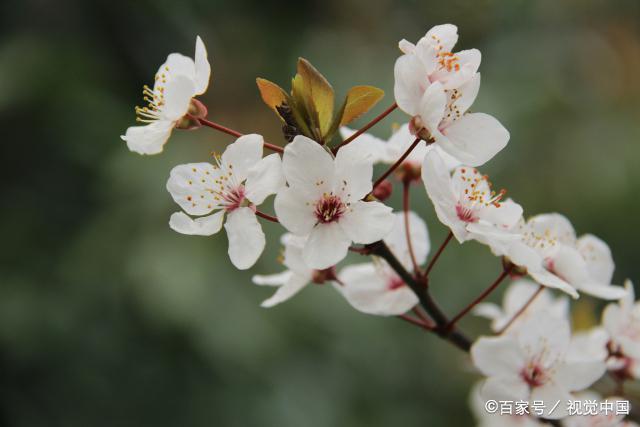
108	318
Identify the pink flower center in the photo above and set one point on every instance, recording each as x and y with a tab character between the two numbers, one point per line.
329	209
233	198
395	283
533	375
465	214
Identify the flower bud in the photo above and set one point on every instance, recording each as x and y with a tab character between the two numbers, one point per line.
383	191
319	277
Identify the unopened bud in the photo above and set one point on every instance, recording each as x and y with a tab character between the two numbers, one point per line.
383	190
417	128
197	110
515	271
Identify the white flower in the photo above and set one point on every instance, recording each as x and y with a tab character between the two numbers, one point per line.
177	81
374	287
487	419
292	280
466	203
391	150
533	365
429	61
622	322
515	297
240	180
323	200
551	254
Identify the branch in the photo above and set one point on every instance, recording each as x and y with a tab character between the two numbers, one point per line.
366	127
397	163
235	133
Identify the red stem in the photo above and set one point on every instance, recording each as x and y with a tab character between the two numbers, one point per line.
480	297
437	255
416	310
366	127
397	163
267	216
521	310
235	133
407	227
414	321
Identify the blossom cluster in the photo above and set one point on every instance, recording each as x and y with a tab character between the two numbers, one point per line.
326	199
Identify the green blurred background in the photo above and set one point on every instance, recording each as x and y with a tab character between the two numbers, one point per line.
108	318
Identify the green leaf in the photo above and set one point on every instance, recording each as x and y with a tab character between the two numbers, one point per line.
318	94
272	94
360	99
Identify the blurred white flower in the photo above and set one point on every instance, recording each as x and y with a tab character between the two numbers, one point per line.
601	419
515	298
374	287
240	180
622	322
466	203
177	81
323	200
391	150
295	278
534	365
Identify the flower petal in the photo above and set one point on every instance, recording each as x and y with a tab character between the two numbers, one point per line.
468	61
242	155
308	167
598	257
277	279
474	138
442	37
203	226
177	96
264	179
578	375
294	285
294	213
246	239
497	356
411	80
397	239
432	107
367	222
552	393
327	245
353	171
202	68
149	139
191	185
367	291
374	146
507	387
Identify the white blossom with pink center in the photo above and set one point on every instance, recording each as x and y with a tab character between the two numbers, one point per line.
622	322
534	364
466	203
323	200
240	180
374	287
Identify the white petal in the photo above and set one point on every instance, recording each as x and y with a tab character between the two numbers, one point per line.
177	97
308	167
367	222
474	138
444	36
509	388
277	279
327	245
397	239
552	393
149	139
550	280
432	106
374	146
406	46
242	155
437	182
203	226
506	215
190	185
599	290
294	213
467	93
264	179
293	259
554	224
246	239
578	375
468	61
294	285
544	336
497	356
488	310
411	80
202	68
598	257
367	291
176	65
353	171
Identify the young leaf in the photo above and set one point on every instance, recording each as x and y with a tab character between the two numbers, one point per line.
272	94
360	99
319	92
